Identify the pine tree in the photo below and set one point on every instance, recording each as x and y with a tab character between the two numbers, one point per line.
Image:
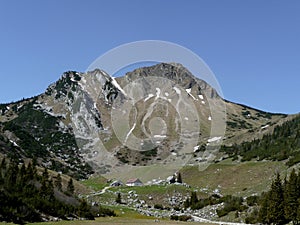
70	187
263	211
11	174
45	174
21	176
30	172
58	182
179	179
84	210
3	164
291	198
275	211
194	199
2	168
119	199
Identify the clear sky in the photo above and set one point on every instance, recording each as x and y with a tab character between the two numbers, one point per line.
252	46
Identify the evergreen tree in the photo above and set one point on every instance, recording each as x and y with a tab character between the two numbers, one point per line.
194	199
275	211
179	179
187	203
45	174
58	182
11	174
84	210
30	172
70	187
291	198
119	199
263	211
2	170
3	164
21	176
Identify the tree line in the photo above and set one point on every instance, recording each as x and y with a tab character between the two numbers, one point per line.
282	144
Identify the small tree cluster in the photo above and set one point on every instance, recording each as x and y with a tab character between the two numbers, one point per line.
231	203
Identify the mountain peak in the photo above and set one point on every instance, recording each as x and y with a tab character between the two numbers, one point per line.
176	73
173	71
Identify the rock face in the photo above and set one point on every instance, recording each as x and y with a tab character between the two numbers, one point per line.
90	122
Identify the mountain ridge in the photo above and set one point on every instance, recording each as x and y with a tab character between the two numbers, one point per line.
81	106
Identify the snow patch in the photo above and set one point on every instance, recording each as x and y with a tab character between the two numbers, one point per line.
149	96
177	90
115	83
186	118
264	127
209	118
203	102
201	97
159	136
14	143
189	93
214	139
128	134
166	94
196	148
157	93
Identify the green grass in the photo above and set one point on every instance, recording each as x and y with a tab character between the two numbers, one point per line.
152	189
118	221
126	212
95	183
242	179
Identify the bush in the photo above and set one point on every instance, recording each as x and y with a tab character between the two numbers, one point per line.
180	218
252	200
158	206
106	212
231	203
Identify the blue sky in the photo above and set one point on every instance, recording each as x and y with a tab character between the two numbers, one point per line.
251	46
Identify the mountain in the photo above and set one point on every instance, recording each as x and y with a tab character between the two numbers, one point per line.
152	119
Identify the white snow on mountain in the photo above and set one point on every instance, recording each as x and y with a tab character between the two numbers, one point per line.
157	93
189	93
214	139
177	90
149	96
196	148
264	127
115	83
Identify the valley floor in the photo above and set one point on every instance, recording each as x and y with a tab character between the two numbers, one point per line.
119	221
